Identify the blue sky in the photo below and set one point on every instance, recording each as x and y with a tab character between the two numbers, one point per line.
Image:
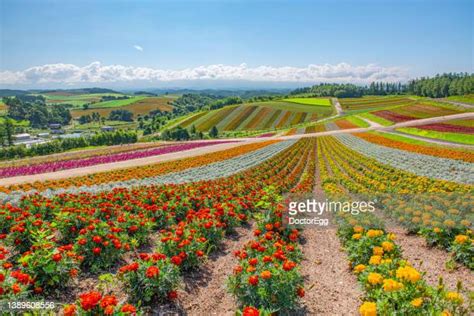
414	37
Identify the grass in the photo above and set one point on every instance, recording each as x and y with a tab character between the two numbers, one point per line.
115	103
96	125
311	101
77	100
357	121
23	123
450	137
468	98
141	107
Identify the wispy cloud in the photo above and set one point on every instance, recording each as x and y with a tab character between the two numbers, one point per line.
138	47
98	73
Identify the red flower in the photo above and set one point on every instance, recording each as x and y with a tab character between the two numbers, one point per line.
108	300
238	269
16	288
253	280
82	242
253	261
152	272
2	277
109	310
89	300
288	265
127	308
96	251
172	295
38	290
57	257
250	311
300	292
97	239
176	260
70	310
200	253
73	273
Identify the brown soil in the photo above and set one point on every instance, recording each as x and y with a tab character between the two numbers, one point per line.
430	260
204	291
330	287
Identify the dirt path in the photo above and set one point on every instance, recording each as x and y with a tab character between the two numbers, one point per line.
430	260
337	105
457	103
330	287
205	291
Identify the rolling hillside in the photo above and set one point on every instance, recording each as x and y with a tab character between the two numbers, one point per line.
257	116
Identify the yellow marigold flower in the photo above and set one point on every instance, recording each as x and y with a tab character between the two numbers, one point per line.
446	313
466	223
359	268
375	278
387	246
392	236
417	302
374	233
357	236
408	273
437	230
390	285
461	239
358	229
377	251
449	223
375	260
454	297
368	309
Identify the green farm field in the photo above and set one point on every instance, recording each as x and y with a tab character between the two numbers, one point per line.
139	106
468	98
311	101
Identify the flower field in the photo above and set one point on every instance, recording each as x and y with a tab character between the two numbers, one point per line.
259	116
138	240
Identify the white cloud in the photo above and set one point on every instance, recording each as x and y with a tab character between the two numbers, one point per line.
98	73
138	47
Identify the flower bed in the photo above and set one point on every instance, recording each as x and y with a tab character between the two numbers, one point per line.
80	163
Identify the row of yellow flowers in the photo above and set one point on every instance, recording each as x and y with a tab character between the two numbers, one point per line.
392	285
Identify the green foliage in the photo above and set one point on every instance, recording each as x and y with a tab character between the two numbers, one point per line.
35	110
121	115
443	85
57	146
213	132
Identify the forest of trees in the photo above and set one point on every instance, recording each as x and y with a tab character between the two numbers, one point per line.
438	86
60	145
443	85
35	110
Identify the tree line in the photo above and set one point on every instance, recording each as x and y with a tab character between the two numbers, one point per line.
61	145
438	86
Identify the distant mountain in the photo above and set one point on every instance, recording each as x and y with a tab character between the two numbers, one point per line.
81	91
245	94
12	93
